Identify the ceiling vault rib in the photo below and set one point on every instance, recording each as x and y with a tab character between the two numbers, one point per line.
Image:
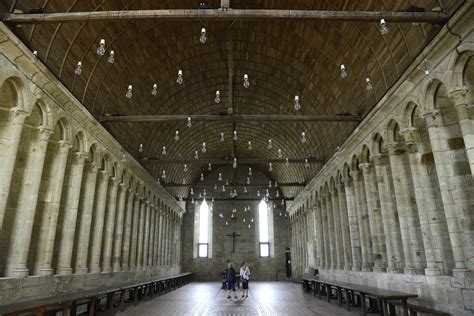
230	14
216	161
230	118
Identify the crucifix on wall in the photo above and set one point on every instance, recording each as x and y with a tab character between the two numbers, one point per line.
233	235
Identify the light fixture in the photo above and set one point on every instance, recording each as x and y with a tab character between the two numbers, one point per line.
220	176
282	201
192	191
297	103
210	167
276	184
192	201
154	91
189	122
343	71
270	183
163	152
212	199
111	58
369	85
184	181
235	136
383	28
129	93
78	69
269	144
203	147
287	161
196	155
306	163
277	194
251	220
203	37
248	180
303	137
223	188
35	55
280	155
180	80
246	81
217	99
234	165
226	223
176	136
270	168
250	171
249	225
280	214
202	176
243	220
222	137
163	176
258	192
215	186
204	192
250	145
140	148
267	193
227	182
185	168
245	191
101	48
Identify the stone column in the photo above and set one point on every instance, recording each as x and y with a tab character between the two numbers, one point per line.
127	231
151	245
405	197
98	221
344	224
119	231
353	224
453	188
87	204
363	220
375	218
50	209
71	204
141	234
337	229
463	106
331	231
25	211
156	254
134	241
9	142
388	207
305	239
160	238
320	234
180	238
146	236
327	253
110	225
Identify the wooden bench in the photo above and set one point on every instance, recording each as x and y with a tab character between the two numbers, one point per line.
415	310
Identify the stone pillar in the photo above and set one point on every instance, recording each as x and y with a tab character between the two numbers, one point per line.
26	206
453	191
331	232
393	239
9	142
110	225
134	241
146	238
344	224
305	240
320	234
87	204
462	104
160	238
141	234
49	220
339	250
363	220
71	204
327	253
375	218
127	231
119	231
151	245
156	254
353	224
409	223
98	221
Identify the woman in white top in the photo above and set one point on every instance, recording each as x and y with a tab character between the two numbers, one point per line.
245	277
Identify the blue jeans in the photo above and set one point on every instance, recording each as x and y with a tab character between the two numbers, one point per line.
231	285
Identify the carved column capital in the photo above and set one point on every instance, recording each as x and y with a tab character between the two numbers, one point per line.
64	146
18	115
380	159
79	157
365	167
44	133
394	148
458	95
347	181
409	134
433	118
123	187
355	174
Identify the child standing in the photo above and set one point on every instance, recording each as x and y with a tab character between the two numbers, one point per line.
245	277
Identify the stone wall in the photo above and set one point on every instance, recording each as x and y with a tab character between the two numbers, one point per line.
246	246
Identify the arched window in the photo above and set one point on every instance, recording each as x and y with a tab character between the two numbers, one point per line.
203	240
264	240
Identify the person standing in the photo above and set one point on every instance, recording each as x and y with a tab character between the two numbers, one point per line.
245	277
230	279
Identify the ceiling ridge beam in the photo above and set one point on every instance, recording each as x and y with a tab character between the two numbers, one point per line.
230	118
252	185
230	14
153	160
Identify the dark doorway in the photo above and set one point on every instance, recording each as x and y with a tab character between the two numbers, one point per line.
288	263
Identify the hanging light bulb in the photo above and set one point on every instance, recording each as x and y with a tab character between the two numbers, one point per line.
179	79
280	214
35	55
280	155
185	168
235	193
210	167
192	201
267	193
163	176
154	91
212	199
258	192
78	69
220	176
111	58
282	201
245	191
215	186
306	163
220	215
176	136
249	225
250	145
189	122
184	181
163	152
222	137
217	99
235	136
250	171
270	168
246	81
251	220
369	85
203	37
234	165
270	184
343	71
287	161
303	137
269	144
140	148
383	28
192	191
203	147
277	194
129	93
227	182
226	223
276	184
243	220
297	103
245	209
202	176
101	48
248	180
223	188
204	192
196	155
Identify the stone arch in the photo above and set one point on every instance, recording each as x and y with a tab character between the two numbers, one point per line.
377	144
79	143
365	155
62	130
432	91
106	163
408	113
459	64
15	94
393	131
94	153
355	163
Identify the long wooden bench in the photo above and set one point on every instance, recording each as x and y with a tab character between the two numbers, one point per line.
105	302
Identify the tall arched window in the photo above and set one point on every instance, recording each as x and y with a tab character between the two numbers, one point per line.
264	240
203	240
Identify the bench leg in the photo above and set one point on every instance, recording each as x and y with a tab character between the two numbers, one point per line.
362	301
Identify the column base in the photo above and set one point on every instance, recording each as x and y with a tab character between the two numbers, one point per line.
46	271
461	272
94	270
65	271
356	267
19	273
347	268
116	269
125	269
379	269
107	270
393	270
409	270
432	271
82	271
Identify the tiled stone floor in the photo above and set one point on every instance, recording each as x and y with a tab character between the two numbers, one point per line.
265	298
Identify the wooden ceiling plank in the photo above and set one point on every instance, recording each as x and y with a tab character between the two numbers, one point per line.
217	161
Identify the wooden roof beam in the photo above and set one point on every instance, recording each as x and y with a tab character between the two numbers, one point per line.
237	185
230	14
152	160
231	118
237	199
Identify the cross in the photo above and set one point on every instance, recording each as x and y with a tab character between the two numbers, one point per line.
233	235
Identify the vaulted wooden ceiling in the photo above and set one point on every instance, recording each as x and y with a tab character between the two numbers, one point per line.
283	58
